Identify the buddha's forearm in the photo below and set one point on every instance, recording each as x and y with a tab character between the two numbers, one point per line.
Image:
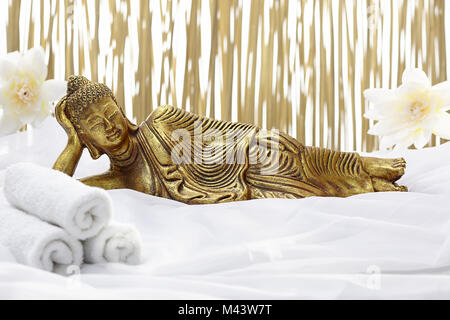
68	160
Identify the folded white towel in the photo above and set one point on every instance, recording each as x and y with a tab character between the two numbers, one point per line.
115	243
36	243
58	199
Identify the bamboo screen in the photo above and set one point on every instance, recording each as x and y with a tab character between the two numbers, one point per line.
299	65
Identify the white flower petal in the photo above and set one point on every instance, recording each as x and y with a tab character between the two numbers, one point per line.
387	127
7	67
442	92
2	97
53	90
415	76
34	62
397	138
383	110
442	86
373	114
404	140
9	124
13	56
29	114
404	144
410	91
378	95
421	139
40	117
388	141
442	127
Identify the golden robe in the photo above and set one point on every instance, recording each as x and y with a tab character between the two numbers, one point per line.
233	161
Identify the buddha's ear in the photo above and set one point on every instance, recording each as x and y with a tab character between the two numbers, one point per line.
95	153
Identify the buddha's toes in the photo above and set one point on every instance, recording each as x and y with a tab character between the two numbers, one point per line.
399	163
397	169
382	185
401	188
387	169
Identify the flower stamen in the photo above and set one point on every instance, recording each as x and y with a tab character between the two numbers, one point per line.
25	94
417	111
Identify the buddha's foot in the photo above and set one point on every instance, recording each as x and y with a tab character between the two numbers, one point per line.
381	185
389	170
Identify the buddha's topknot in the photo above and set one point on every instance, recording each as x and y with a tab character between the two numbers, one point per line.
81	93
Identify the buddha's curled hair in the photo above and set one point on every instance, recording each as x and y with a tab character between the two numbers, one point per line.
81	93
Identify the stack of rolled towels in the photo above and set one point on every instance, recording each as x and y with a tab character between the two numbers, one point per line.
54	221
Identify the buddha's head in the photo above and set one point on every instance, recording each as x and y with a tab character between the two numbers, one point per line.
99	122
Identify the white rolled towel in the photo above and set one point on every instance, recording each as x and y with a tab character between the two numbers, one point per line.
119	243
58	199
36	243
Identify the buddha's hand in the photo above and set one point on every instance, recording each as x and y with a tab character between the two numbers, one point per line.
67	125
68	159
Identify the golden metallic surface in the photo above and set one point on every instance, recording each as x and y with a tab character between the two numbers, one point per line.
297	65
196	160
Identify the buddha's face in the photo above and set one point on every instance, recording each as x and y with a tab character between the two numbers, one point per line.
103	125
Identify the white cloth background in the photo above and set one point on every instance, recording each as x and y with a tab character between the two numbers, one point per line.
379	245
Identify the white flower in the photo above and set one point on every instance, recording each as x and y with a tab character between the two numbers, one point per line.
411	113
25	95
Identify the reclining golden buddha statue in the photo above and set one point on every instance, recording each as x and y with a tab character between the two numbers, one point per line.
182	156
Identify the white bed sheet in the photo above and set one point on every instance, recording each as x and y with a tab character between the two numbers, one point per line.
379	245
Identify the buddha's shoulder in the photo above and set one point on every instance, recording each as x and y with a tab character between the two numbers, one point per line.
167	113
168	118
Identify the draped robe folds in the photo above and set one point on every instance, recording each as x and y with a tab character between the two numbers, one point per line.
197	160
